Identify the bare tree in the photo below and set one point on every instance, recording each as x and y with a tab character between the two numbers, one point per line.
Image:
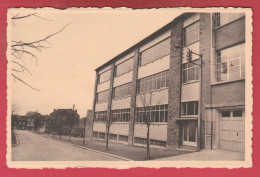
72	120
23	50
14	109
83	121
146	102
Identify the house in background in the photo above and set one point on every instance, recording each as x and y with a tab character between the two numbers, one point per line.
61	120
19	122
194	70
34	120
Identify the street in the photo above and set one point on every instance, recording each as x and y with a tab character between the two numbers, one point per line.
34	147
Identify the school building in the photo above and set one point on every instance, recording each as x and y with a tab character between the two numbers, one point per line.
190	75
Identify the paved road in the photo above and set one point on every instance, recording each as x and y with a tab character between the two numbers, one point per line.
34	147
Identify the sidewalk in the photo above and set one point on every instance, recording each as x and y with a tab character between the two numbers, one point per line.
208	155
122	150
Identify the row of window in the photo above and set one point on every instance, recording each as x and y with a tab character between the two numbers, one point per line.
153	82
121	115
155	52
143	141
122	91
152	113
102	96
103	77
124	67
158	113
112	137
224	18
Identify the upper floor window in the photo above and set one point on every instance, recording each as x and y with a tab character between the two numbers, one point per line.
101	116
231	63
154	82
121	115
102	96
124	67
189	108
190	71
122	91
155	52
158	113
224	18
191	34
105	76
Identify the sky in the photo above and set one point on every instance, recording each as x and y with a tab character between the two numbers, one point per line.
65	71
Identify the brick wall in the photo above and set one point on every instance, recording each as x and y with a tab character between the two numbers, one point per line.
174	85
228	93
205	48
230	34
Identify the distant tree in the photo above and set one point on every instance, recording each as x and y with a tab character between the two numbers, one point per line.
83	121
26	50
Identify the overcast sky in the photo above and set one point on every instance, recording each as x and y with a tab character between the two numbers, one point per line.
65	72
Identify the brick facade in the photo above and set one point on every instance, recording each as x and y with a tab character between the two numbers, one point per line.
174	85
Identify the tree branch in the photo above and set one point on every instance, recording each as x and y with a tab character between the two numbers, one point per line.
25	83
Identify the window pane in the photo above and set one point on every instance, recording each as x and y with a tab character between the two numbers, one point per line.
225	114
237	114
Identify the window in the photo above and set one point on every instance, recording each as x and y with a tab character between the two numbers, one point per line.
157	113
101	116
153	142
102	96
124	67
120	115
155	52
190	71
232	114
123	138
102	135
154	82
191	34
105	76
157	143
122	91
224	18
113	137
189	108
95	134
231	63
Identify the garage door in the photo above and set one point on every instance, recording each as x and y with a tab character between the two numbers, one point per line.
232	130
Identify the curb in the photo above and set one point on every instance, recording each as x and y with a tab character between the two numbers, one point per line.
100	152
17	141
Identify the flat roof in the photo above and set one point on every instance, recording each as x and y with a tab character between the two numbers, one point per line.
145	40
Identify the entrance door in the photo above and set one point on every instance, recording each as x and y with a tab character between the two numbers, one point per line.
189	133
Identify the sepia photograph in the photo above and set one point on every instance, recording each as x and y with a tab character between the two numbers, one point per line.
167	87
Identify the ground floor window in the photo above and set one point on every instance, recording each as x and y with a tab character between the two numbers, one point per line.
123	138
113	137
189	108
95	134
143	141
101	135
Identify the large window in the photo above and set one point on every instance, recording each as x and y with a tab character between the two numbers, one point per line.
189	108
101	116
224	18
155	52
122	91
121	115
157	113
105	76
102	96
191	34
154	82
124	67
231	63
190	71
